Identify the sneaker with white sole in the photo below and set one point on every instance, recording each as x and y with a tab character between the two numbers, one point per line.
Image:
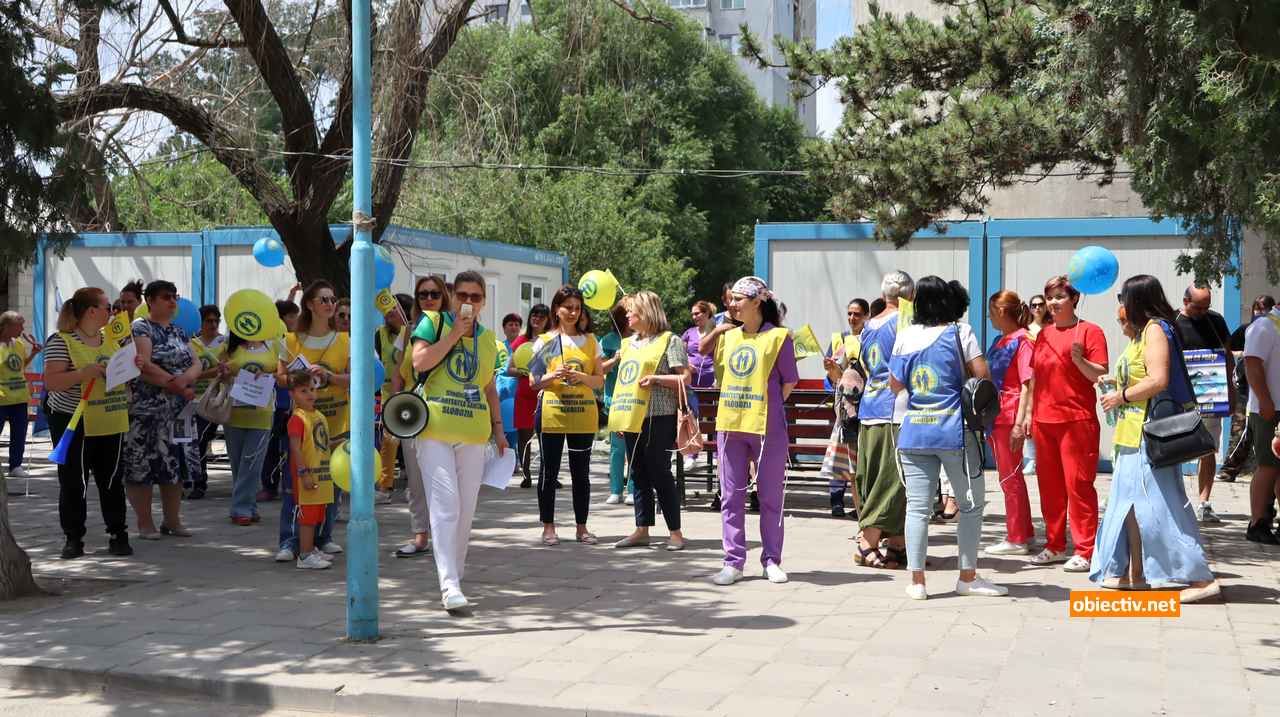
916	591
630	499
1076	564
313	562
728	575
775	574
1007	548
454	600
285	555
381	497
331	548
980	586
1205	514
1049	557
327	558
613	499
20	472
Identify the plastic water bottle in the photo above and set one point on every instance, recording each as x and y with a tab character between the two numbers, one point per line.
1106	385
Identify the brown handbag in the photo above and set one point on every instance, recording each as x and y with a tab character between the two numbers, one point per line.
689	441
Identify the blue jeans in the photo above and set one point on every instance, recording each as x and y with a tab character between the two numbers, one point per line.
16	416
247	448
921	470
289	520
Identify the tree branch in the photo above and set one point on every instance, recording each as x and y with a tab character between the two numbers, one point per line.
191	119
647	17
182	38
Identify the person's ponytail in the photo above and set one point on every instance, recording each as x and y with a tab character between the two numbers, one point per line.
73	309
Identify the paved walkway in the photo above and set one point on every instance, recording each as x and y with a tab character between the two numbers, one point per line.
591	630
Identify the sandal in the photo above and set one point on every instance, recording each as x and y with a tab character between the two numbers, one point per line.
550	540
877	561
897	556
588	539
178	532
411	550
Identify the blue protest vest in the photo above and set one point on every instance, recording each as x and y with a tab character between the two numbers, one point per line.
934	378
1000	358
877	346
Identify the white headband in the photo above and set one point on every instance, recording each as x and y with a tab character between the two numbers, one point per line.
752	287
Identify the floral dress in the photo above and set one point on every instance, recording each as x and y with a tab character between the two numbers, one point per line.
150	457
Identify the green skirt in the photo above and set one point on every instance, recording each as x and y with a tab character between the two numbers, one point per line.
880	489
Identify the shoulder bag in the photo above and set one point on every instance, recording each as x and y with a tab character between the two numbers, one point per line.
979	399
1180	436
214	405
689	441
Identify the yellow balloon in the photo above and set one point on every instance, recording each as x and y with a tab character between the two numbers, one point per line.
340	466
251	315
522	356
599	289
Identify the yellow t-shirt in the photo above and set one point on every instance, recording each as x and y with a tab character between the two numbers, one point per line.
13	380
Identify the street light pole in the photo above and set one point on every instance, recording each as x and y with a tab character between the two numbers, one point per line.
362	530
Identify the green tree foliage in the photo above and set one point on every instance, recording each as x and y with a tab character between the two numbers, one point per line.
586	84
186	194
1185	96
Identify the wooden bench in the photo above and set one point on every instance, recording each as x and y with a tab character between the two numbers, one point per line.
810	419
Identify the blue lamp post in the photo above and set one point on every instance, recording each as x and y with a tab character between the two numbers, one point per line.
362	530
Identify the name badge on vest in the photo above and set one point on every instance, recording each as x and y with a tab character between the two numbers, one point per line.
471	392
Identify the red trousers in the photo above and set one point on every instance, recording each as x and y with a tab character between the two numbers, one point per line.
1017	506
1066	466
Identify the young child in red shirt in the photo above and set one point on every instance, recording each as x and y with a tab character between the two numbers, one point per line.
309	469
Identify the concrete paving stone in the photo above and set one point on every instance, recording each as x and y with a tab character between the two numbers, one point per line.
812	658
705	680
680	701
841	708
564	670
1198	641
927	684
759	704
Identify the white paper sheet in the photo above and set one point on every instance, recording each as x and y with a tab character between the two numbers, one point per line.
253	389
498	469
122	366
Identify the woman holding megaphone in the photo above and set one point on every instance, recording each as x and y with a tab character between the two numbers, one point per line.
463	413
568	368
77	356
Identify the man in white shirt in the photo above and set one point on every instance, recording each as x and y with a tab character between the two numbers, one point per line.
1262	366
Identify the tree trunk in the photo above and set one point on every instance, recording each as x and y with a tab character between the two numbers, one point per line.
15	566
314	256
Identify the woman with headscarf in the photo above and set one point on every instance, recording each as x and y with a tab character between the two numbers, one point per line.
169	372
757	363
77	355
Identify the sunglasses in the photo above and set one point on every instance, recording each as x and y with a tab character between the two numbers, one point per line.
431	295
327	299
467	297
1037	304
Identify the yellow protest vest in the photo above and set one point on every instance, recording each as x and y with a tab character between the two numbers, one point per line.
255	362
13	383
453	416
315	459
392	356
744	391
107	412
570	408
852	346
208	358
331	400
631	402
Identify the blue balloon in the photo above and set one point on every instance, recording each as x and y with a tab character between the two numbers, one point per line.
384	269
1093	269
188	317
268	251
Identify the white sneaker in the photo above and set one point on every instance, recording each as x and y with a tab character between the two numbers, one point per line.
1029	469
728	575
313	562
613	499
454	600
1048	557
980	586
285	555
1205	514
316	552
381	497
775	574
630	499
331	548
916	591
1007	548
1076	564
20	472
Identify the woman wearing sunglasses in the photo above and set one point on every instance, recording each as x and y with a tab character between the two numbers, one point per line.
430	295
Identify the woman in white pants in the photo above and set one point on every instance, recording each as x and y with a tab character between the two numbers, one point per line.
464	413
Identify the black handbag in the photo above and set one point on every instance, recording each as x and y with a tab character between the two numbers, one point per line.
979	399
1177	438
